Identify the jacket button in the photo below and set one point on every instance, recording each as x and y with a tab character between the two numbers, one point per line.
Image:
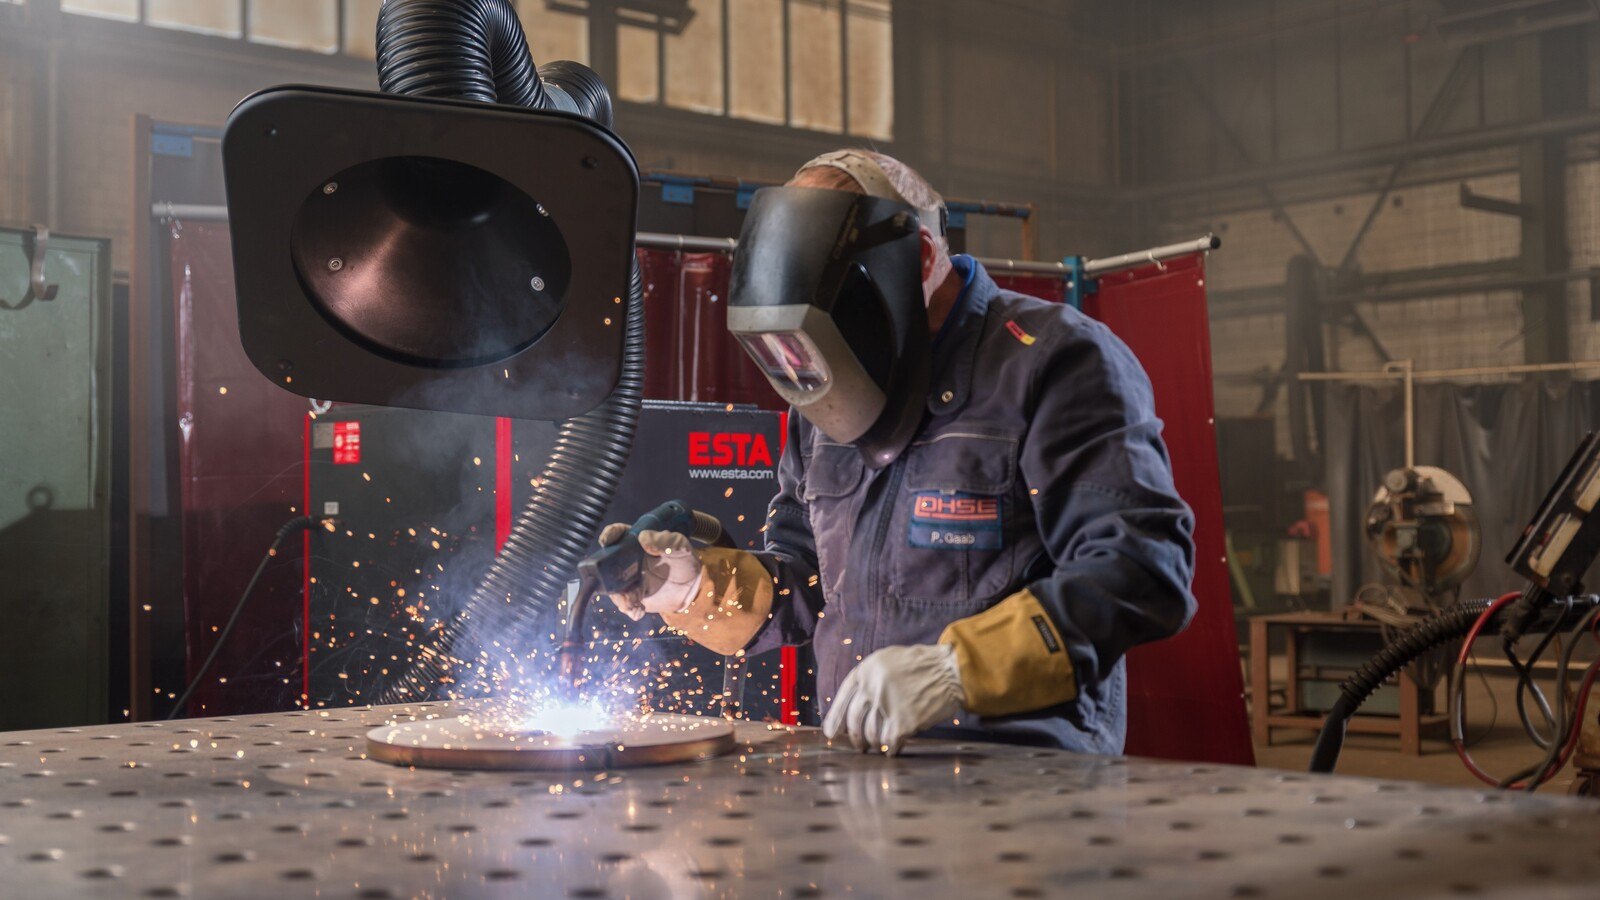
947	396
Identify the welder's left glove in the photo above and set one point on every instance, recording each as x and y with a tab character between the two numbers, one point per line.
895	693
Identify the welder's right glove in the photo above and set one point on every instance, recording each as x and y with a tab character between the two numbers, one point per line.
671	572
719	598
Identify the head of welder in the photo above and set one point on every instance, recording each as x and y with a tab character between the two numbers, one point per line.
829	295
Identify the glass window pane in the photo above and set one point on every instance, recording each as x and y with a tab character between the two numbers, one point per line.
816	94
554	35
755	33
125	10
361	28
301	24
205	16
694	60
871	44
639	80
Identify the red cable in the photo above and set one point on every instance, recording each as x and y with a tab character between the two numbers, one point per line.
1461	660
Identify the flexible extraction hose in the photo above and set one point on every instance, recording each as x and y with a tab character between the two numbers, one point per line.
1447	625
476	50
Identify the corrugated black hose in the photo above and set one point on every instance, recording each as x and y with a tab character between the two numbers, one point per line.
475	50
1443	627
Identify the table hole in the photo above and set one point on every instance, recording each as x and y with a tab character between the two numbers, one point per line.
51	855
1245	890
915	874
706	874
1101	840
116	827
821	827
167	890
376	893
234	856
721	841
502	874
1013	856
1123	872
177	840
396	814
1292	839
814	858
536	842
1213	855
463	828
103	873
298	875
362	841
422	857
587	893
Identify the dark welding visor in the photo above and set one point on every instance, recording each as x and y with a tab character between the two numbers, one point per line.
826	297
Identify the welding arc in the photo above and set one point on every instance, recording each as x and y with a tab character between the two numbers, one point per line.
299	523
476	50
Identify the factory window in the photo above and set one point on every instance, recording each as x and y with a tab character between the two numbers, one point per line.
125	10
818	64
825	65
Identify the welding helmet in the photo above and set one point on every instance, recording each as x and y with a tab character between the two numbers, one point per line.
826	297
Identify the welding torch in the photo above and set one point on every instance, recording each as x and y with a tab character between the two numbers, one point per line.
618	568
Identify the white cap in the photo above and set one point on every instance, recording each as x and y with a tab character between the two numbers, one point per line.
865	171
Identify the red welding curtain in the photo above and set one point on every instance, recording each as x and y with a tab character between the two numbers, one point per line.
689	354
239	455
1186	695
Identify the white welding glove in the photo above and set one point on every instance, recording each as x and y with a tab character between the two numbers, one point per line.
671	572
895	693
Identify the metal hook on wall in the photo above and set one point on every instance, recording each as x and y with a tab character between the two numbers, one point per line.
34	246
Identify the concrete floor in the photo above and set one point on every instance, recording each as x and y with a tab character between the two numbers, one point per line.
1503	749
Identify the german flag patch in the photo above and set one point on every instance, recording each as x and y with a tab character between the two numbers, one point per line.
1016	331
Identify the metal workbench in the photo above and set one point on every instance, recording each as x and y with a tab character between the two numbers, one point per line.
285	805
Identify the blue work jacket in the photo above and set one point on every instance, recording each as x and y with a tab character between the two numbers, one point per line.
1036	406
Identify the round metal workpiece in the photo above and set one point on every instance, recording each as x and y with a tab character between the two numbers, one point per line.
459	743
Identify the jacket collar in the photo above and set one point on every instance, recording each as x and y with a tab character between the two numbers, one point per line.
955	349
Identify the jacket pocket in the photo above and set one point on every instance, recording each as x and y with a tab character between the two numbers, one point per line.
955	533
833	499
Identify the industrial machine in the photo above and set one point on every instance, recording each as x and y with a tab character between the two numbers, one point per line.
1423	532
1556	549
423	498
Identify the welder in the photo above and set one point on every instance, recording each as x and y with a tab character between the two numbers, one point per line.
975	517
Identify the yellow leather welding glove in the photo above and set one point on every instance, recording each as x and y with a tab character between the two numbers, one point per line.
719	598
1011	658
669	575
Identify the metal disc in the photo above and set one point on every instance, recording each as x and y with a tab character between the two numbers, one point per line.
458	743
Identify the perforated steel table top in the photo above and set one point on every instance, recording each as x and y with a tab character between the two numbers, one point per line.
285	806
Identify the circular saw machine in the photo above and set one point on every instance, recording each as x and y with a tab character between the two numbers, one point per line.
1423	531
